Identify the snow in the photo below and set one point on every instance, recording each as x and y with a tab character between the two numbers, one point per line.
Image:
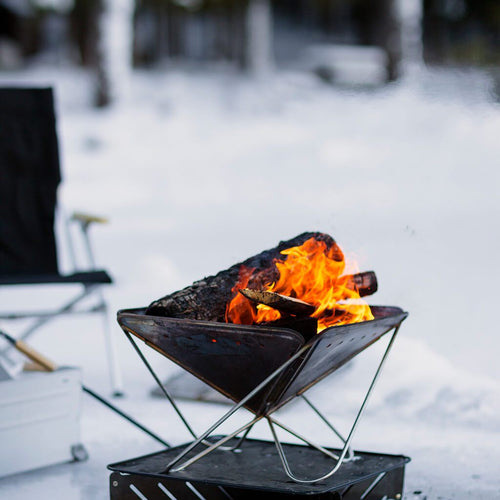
200	169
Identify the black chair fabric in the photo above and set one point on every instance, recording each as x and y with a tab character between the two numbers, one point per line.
85	278
29	177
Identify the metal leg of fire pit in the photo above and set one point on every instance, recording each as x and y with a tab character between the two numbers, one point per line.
302	438
202	439
227	438
340	459
233	409
242	439
350	451
165	392
272	422
351	433
205	452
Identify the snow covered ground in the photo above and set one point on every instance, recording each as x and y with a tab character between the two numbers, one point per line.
198	170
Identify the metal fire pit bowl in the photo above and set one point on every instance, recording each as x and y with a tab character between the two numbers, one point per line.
234	359
260	368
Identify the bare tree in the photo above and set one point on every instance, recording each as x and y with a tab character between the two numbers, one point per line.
113	52
259	53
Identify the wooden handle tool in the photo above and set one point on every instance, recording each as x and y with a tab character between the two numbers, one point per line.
50	366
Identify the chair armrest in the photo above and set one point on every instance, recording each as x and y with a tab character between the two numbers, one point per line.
84	221
87	219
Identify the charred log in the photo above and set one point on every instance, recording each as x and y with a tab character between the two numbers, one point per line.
283	304
206	299
365	283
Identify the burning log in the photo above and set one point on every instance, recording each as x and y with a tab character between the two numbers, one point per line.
287	305
206	299
365	283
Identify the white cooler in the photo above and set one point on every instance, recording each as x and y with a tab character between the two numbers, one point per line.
40	420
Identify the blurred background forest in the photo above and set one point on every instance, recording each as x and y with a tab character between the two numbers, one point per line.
248	35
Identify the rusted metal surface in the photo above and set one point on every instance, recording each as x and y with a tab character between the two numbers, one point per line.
234	359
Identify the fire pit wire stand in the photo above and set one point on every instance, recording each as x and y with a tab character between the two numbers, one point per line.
246	465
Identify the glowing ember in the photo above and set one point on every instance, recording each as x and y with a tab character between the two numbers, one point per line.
311	272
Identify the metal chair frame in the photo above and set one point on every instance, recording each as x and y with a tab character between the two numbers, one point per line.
41	318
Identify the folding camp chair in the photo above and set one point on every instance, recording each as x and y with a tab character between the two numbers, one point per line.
30	175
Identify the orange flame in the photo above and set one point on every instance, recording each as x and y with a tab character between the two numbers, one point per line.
311	272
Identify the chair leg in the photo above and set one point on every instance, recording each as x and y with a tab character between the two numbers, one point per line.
115	373
43	318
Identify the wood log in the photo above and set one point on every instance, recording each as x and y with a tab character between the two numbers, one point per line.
206	299
282	303
365	283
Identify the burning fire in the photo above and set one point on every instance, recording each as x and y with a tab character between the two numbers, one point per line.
311	272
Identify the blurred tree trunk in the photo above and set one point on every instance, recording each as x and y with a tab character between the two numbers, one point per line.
114	50
87	21
379	24
411	20
84	26
102	89
162	32
237	33
259	28
388	35
103	32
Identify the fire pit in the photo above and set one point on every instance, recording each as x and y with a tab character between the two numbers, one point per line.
262	366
